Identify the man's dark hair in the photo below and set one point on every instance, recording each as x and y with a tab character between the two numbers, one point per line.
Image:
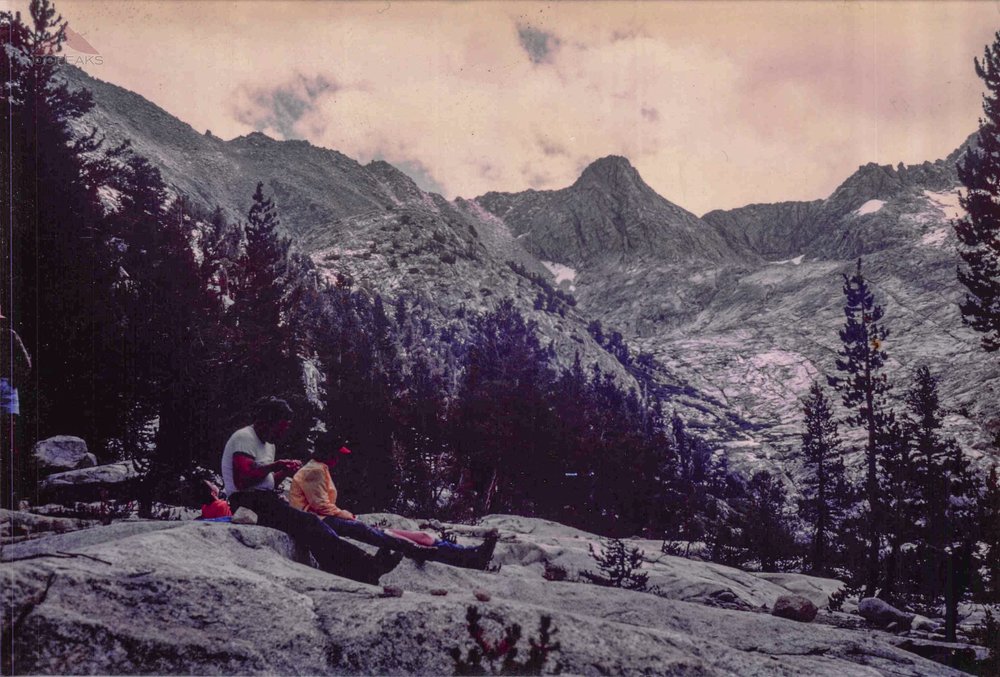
271	410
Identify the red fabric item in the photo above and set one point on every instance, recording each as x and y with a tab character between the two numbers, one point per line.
217	508
344	450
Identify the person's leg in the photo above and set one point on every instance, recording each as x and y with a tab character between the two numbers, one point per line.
333	554
359	531
468	557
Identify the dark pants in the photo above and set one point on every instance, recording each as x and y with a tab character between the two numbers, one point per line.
441	551
333	554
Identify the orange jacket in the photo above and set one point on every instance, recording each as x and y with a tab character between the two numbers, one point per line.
215	509
313	491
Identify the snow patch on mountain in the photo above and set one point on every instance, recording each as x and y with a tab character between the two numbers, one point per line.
946	202
870	207
562	274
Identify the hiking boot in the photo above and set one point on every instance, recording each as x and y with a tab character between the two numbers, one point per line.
481	555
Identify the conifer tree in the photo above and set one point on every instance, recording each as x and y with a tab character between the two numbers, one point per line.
502	419
863	388
931	454
265	352
961	524
899	504
823	501
55	268
979	230
767	534
989	519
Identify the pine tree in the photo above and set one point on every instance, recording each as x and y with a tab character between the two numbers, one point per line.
823	502
962	534
979	230
989	520
863	388
767	533
899	505
502	418
424	457
185	348
263	341
931	491
53	236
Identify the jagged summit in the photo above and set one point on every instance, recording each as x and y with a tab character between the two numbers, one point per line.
609	214
613	170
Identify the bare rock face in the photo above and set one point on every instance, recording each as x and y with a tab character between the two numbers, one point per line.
62	453
211	598
16	524
114	480
882	614
795	608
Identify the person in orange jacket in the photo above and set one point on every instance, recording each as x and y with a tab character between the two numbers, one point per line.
313	491
212	507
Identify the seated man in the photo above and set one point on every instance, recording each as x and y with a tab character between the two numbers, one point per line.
250	474
313	491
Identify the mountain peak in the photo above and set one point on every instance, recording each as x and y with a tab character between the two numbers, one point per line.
611	169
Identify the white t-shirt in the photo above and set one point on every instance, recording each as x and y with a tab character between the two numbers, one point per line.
245	441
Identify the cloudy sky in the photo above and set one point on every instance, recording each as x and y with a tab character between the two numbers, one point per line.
717	104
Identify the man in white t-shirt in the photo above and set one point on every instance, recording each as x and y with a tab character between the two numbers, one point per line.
250	475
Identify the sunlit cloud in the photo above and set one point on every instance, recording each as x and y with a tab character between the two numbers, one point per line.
717	104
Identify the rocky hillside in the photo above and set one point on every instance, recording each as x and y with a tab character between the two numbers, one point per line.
753	331
740	308
372	223
610	215
202	598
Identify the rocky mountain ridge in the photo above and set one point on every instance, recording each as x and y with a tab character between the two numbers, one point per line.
608	216
739	307
754	331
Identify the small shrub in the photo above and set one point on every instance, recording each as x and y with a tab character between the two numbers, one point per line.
500	656
619	567
105	511
674	548
987	634
836	602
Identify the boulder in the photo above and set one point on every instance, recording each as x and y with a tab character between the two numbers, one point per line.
881	614
114	480
796	608
141	597
62	453
817	590
925	624
14	524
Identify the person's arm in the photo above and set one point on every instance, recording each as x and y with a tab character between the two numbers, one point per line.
286	468
248	472
313	483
